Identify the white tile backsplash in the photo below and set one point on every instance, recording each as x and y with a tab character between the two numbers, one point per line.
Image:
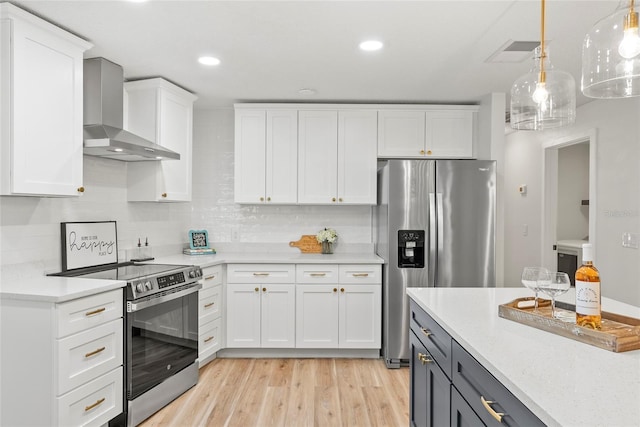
30	226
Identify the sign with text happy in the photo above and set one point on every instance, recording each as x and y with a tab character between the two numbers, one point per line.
88	244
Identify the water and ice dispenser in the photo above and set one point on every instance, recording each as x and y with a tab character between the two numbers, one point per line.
411	248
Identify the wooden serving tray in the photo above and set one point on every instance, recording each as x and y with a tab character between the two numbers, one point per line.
619	333
307	244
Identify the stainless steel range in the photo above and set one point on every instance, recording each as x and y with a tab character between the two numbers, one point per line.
161	330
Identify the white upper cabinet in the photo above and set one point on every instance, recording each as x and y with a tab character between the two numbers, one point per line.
431	133
162	113
41	106
337	156
266	152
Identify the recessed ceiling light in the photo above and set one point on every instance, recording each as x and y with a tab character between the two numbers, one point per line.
307	91
208	60
371	45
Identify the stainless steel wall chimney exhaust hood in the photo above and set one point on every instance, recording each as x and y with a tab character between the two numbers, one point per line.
104	135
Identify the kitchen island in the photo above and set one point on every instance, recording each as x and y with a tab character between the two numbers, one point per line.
561	381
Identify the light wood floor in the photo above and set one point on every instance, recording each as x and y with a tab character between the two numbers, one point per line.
292	393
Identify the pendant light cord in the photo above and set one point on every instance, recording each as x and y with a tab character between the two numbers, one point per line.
543	77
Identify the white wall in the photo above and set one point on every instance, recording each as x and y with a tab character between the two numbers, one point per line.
617	125
573	187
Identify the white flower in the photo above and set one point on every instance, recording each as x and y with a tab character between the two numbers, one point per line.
327	235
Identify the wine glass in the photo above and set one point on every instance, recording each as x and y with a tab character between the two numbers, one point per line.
554	284
530	278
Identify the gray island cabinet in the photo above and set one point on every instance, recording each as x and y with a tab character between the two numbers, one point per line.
449	387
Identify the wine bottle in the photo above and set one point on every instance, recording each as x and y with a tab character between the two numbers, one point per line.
588	312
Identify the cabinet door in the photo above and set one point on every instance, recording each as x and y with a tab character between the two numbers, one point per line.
417	383
360	316
243	316
461	413
42	112
278	316
317	157
449	133
357	156
250	156
317	316
281	178
401	133
175	126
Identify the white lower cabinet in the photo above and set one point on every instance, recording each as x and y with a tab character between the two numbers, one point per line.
62	362
210	314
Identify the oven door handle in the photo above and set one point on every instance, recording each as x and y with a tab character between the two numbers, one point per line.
136	306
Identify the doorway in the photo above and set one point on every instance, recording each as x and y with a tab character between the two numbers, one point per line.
569	203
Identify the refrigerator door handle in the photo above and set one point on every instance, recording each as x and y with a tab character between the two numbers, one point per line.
440	220
432	241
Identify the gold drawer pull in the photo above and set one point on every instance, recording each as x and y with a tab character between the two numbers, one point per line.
90	407
360	274
264	289
91	313
209	305
94	352
80	190
424	359
210	277
260	274
426	331
335	289
497	415
318	274
208	339
341	289
257	289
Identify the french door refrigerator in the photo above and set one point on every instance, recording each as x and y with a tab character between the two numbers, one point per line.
434	225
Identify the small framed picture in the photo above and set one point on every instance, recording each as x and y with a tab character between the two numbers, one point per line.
198	239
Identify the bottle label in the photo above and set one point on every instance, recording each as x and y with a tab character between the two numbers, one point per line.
588	298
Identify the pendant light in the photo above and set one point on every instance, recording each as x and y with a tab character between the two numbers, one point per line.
544	98
611	55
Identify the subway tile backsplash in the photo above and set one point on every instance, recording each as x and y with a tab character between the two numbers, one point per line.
30	226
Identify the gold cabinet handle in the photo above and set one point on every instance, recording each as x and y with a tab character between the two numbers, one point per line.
208	339
80	190
94	352
260	274
318	274
209	305
164	195
210	277
262	199
257	289
422	152
91	313
333	199
340	199
424	359
429	152
497	415
264	289
268	199
360	274
426	331
335	289
90	407
341	289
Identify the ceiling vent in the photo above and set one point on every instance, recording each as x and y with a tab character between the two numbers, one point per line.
514	51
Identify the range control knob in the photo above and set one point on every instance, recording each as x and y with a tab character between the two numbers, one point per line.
140	287
148	285
192	274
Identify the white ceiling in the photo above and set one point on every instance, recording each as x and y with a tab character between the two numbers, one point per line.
435	51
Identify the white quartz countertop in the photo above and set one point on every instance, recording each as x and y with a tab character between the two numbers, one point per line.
55	289
270	258
562	381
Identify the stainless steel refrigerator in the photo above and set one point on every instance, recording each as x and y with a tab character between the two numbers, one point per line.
434	225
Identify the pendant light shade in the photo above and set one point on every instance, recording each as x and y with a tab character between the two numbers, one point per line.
544	98
611	55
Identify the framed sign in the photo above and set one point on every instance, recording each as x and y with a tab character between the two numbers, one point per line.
88	244
198	239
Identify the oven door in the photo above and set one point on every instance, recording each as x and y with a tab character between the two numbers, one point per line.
162	338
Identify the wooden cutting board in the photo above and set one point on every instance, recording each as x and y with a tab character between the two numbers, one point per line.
307	244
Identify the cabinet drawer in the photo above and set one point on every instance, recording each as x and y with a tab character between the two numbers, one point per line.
317	273
209	340
476	384
210	304
261	273
94	403
435	339
84	313
360	273
88	354
211	276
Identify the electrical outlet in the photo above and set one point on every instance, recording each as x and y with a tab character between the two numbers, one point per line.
630	240
235	233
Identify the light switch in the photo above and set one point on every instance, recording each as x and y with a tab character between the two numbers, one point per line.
630	240
522	189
